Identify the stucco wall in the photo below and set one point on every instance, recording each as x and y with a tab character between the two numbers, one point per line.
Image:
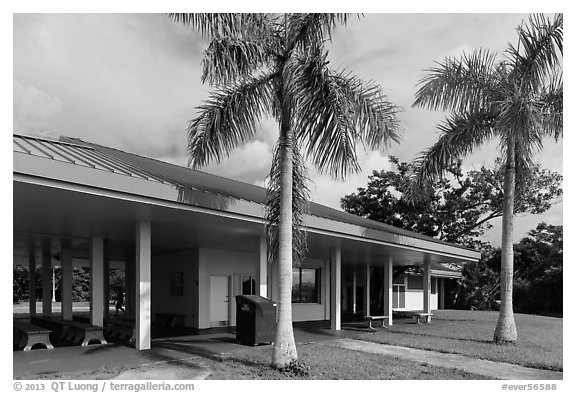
231	264
163	266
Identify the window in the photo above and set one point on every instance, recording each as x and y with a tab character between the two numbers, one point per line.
305	285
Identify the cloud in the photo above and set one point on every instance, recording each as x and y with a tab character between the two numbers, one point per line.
328	191
32	107
249	163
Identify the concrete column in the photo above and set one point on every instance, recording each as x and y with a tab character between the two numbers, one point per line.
130	295
367	290
336	288
107	282
67	277
143	281
46	282
426	287
262	269
388	275
32	281
440	291
354	290
97	281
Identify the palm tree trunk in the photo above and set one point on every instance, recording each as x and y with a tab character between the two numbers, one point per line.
284	350
506	327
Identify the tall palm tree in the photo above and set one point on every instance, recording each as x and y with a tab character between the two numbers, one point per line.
277	65
518	100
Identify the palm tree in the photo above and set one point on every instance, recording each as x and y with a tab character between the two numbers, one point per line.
271	64
518	100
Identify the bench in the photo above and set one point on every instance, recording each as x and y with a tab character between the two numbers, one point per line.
26	336
426	315
75	332
121	329
415	314
372	318
169	319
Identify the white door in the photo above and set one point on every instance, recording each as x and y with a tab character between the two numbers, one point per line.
219	301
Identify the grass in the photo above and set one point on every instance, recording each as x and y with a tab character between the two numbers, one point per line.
470	333
325	363
331	363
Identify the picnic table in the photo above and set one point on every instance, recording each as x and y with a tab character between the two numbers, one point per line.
27	335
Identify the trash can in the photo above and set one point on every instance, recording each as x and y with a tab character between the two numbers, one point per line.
255	320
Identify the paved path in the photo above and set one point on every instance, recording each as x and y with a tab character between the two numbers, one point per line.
486	368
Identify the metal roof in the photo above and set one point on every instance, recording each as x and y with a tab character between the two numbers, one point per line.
77	152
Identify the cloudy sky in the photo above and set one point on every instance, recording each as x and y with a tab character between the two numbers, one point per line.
132	81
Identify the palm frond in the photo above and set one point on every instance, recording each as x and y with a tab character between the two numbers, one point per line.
539	50
227	119
336	112
552	107
459	85
211	25
300	197
460	135
230	59
304	29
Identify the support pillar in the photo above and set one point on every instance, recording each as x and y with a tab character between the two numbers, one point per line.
354	290
143	281
367	290
46	281
97	281
388	295
67	276
440	290
426	287
106	282
262	269
32	281
336	288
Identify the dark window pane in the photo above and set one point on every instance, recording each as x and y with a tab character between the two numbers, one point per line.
248	286
415	282
295	285
308	288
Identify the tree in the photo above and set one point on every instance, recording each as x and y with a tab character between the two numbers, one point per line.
538	270
277	65
519	101
458	208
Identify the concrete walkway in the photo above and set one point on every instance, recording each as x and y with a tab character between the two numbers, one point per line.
487	368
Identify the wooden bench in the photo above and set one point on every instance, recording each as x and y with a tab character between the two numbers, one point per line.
26	336
75	332
372	318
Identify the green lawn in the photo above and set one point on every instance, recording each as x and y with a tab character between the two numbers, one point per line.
539	343
325	363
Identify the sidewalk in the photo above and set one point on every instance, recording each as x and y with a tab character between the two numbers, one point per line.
487	368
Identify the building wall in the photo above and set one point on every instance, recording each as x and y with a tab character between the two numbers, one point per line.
308	311
222	263
163	301
415	297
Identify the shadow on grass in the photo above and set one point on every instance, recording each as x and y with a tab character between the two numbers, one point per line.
189	348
